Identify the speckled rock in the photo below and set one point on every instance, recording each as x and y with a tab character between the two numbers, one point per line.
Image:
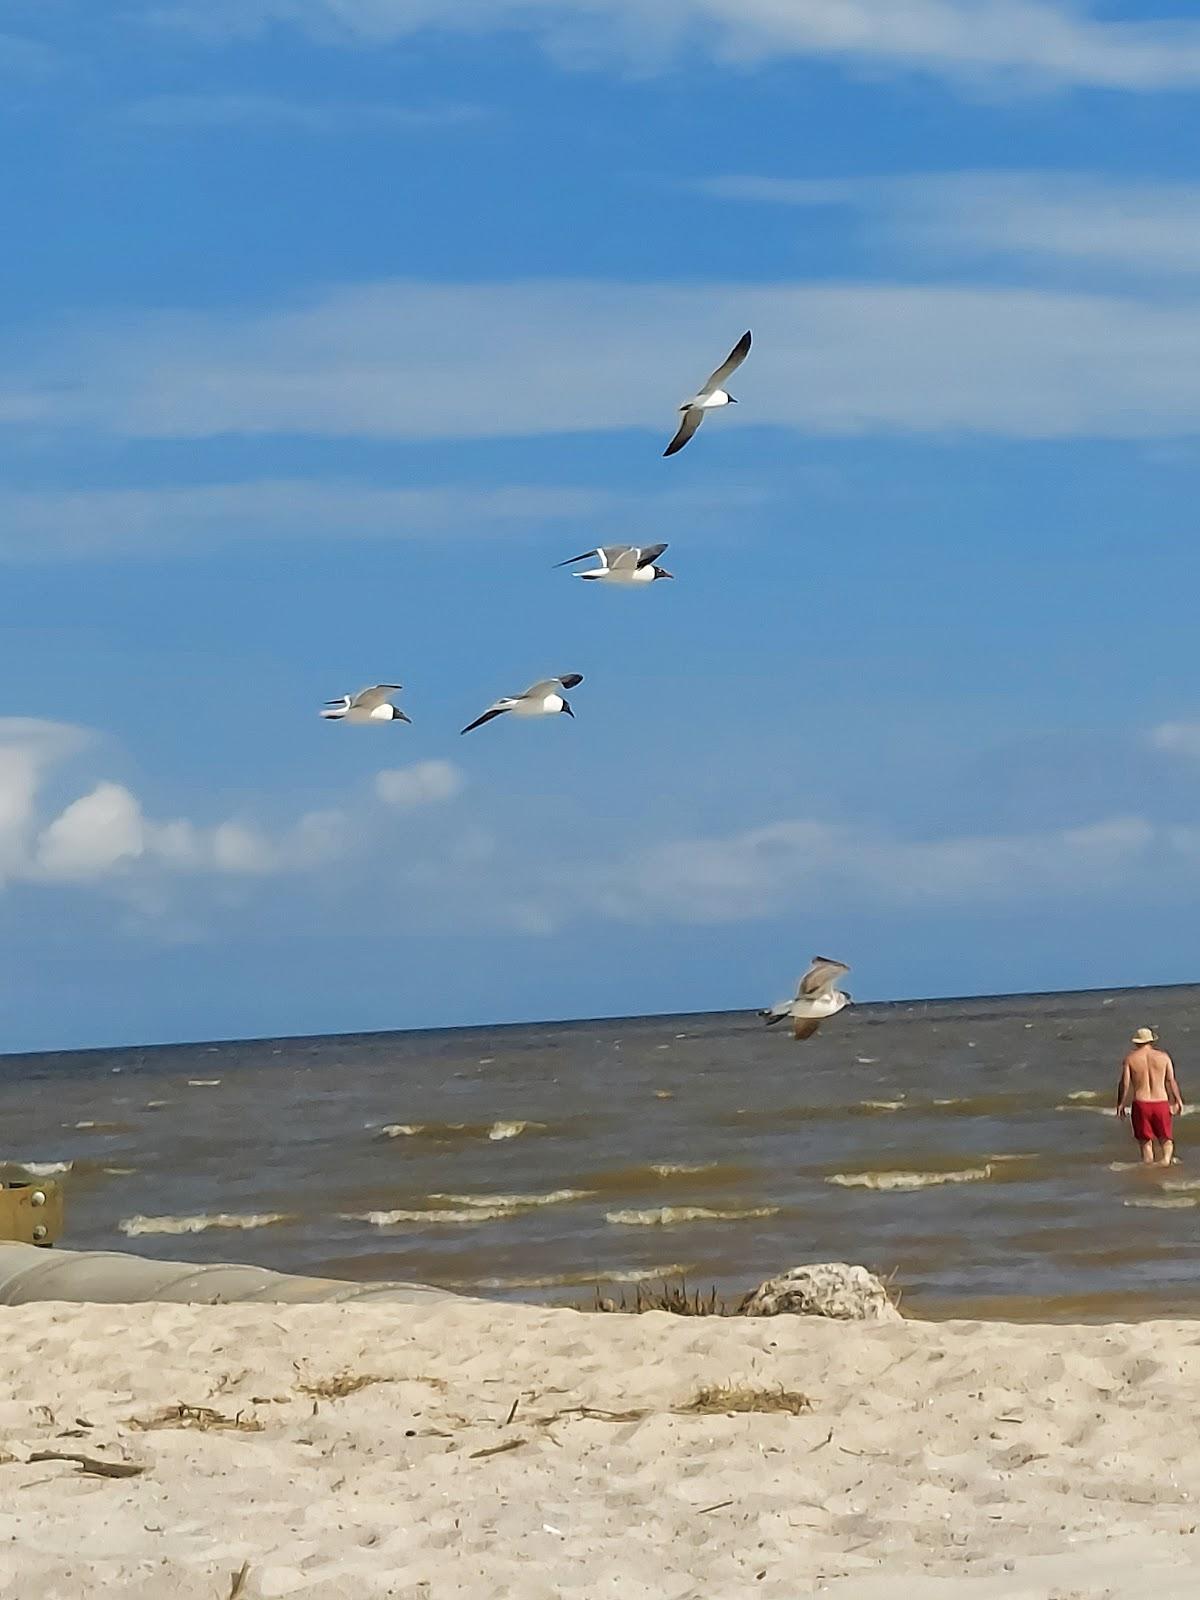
823	1289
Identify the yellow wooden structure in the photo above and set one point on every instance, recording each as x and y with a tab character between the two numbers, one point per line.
31	1209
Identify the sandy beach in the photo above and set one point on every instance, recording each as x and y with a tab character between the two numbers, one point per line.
475	1450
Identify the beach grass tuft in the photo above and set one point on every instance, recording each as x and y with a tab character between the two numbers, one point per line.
721	1398
671	1295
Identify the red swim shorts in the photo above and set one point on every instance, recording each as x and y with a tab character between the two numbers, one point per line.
1151	1119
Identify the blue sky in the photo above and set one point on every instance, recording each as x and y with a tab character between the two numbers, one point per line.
329	325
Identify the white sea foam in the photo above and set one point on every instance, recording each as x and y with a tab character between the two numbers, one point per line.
132	1226
43	1169
1097	1111
443	1130
1164	1203
203	1083
881	1105
907	1180
1087	1094
513	1202
1179	1185
673	1216
561	1280
511	1130
118	1172
670	1169
427	1219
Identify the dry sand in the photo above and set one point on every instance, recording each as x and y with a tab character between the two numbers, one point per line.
983	1460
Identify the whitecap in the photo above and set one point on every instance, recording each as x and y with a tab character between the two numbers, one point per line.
203	1083
43	1169
427	1219
1165	1203
511	1130
1097	1111
132	1226
670	1169
907	1180
513	1202
401	1130
881	1105
1087	1094
563	1280
671	1216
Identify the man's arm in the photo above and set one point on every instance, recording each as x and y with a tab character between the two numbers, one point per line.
1173	1094
1123	1088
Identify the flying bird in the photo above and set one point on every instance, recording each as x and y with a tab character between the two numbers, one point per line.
712	394
368	705
543	699
623	563
817	997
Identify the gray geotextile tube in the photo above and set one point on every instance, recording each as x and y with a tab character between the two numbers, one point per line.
29	1273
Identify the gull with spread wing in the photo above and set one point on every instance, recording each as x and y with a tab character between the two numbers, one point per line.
368	705
817	997
542	699
710	396
623	564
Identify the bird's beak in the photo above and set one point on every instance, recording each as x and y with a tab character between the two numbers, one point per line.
567	708
732	400
663	573
402	716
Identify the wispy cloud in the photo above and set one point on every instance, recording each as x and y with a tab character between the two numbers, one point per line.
763	872
421	784
1176	739
419	361
1036	41
57	525
1145	227
240	111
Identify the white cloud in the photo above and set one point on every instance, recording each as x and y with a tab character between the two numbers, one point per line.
58	524
423	783
421	361
762	872
1176	738
95	834
209	111
1076	218
1041	41
104	834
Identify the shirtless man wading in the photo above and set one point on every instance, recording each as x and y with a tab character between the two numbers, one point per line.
1148	1082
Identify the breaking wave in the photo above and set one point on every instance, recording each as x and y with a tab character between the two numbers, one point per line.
449	1132
43	1169
1165	1203
672	1216
132	1226
675	1169
907	1180
577	1280
465	1209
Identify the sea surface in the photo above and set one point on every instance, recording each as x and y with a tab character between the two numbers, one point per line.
967	1148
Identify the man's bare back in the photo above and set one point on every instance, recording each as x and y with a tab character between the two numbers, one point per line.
1148	1084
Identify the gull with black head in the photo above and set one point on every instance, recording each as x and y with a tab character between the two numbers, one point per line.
368	705
542	699
622	564
712	395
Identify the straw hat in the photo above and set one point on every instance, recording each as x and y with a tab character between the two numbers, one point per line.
1145	1036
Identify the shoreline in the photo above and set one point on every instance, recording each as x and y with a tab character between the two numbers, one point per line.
470	1449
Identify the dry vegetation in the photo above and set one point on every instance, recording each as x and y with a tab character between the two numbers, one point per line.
722	1398
673	1296
203	1418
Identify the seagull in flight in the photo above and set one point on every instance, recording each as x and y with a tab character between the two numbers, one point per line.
817	997
711	394
543	699
623	563
368	705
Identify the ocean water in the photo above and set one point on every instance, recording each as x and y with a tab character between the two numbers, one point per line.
967	1148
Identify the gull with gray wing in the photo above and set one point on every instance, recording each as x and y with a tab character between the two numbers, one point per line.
817	997
542	699
712	395
623	564
368	705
